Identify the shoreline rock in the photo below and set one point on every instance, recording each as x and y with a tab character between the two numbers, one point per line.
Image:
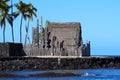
36	63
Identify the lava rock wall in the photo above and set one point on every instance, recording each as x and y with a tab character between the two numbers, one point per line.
34	63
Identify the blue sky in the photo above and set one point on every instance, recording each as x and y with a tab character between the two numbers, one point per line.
100	21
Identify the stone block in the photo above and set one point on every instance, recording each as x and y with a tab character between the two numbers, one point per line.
11	49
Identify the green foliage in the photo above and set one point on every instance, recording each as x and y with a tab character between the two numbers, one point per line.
47	23
27	11
31	11
5	16
22	9
4	9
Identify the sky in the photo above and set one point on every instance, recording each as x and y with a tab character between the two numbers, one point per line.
100	21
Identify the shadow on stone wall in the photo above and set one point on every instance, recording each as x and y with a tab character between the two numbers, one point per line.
11	49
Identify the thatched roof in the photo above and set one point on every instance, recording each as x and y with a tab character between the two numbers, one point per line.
64	24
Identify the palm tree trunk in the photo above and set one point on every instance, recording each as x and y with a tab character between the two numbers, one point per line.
27	32
12	34
26	38
21	29
12	22
4	34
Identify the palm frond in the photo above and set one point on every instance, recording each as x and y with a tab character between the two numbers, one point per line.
15	14
9	19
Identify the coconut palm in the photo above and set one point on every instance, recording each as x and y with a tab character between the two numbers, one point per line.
31	11
12	21
5	16
22	9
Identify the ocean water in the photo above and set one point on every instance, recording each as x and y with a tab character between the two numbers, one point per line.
82	74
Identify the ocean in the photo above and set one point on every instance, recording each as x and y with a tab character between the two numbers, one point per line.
82	74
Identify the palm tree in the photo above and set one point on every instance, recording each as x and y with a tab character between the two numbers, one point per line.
31	11
22	9
4	9
12	21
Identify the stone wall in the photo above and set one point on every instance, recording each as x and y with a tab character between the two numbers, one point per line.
34	63
11	49
4	49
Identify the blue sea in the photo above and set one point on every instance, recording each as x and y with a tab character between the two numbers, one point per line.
82	74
